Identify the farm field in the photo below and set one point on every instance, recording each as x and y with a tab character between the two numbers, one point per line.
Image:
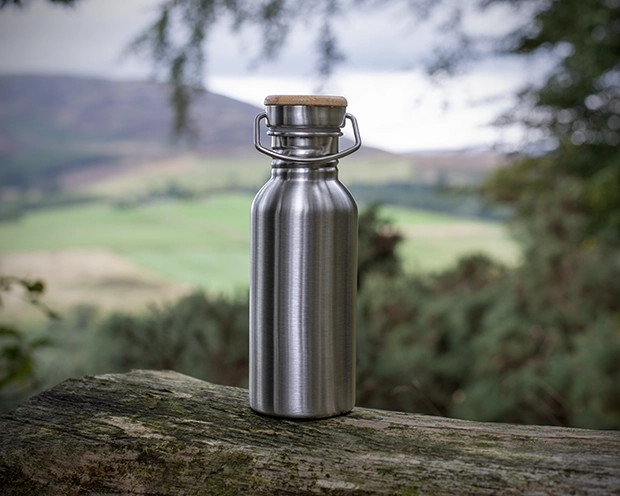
126	258
200	173
433	241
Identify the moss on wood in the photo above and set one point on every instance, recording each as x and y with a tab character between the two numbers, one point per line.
164	433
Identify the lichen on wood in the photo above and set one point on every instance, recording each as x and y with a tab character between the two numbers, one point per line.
163	433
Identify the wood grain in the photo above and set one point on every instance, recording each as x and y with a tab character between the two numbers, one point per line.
164	433
312	100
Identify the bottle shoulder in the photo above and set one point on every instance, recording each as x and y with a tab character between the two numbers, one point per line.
304	195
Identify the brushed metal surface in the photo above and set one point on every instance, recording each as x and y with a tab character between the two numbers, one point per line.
291	142
303	270
302	297
305	116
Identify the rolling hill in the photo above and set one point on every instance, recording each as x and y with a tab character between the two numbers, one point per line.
43	111
51	125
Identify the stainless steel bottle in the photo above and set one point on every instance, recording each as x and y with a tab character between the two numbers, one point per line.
303	264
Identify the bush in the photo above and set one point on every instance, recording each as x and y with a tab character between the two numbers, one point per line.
205	337
478	342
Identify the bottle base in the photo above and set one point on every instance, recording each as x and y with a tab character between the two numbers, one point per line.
300	416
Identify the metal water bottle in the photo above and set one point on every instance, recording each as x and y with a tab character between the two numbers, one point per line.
303	264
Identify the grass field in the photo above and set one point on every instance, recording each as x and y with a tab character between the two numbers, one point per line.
100	252
204	243
433	241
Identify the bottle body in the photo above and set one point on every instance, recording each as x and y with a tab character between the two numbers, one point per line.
302	293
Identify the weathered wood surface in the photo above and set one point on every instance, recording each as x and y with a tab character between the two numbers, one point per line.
162	433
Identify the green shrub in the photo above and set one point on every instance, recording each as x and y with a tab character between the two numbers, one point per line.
202	336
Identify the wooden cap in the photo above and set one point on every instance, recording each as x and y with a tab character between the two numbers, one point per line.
310	100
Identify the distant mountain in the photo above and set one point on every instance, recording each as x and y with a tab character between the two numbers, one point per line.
43	111
51	125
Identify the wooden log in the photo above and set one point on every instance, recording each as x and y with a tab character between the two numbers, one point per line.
163	433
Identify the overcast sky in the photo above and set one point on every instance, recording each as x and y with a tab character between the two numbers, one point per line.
398	107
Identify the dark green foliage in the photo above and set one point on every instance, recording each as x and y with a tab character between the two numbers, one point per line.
17	349
567	205
415	336
377	241
33	290
41	168
478	342
174	43
171	191
577	110
21	3
432	197
202	336
16	361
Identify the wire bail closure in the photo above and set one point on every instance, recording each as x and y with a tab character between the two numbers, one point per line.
306	160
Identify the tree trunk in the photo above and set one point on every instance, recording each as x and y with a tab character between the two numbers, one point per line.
164	433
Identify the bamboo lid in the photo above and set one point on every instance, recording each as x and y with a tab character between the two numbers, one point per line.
309	100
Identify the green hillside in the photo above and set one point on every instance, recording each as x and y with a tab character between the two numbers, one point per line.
206	242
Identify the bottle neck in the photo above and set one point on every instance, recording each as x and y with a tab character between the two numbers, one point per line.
304	132
301	173
304	144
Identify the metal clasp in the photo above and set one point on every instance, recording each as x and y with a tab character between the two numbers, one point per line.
306	160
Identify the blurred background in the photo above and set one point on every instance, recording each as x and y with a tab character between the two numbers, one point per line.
488	185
